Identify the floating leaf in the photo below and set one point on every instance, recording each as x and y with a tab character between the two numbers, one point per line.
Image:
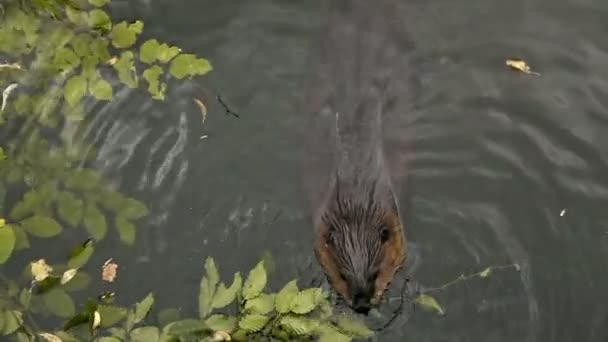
429	302
205	297
77	320
70	208
41	226
148	51
354	327
221	323
89	68
286	296
156	88
167	316
25	297
224	296
12	321
108	271
126	69
95	222
133	209
142	308
145	334
80	43
40	270
26	206
306	301
299	325
76	16
80	282
83	179
99	19
98	3
166	53
99	49
485	273
328	333
100	89
188	65
202	108
74	90
261	304
520	65
212	272
96	320
65	59
59	303
256	281
124	35
81	254
126	230
253	322
7	242
111	315
186	327
68	275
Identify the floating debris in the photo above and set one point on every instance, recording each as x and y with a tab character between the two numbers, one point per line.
202	108
108	272
68	275
204	137
6	93
562	212
40	269
520	65
12	66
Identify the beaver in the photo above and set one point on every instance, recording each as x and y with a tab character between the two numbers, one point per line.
360	241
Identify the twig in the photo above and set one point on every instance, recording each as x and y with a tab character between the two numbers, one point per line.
399	309
228	110
463	277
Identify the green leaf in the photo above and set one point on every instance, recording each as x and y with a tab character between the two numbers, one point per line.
81	43
74	90
26	206
100	89
21	239
186	327
306	301
12	321
109	339
148	51
429	303
80	282
166	53
485	273
221	323
111	315
65	59
256	281
286	296
205	297
59	303
25	296
70	208
23	104
354	327
212	273
7	243
143	308
83	179
328	333
156	88
126	69
99	19
224	296
124	35
261	304
299	325
95	222
99	49
188	65
89	68
126	230
145	334
41	226
81	254
98	3
133	209
253	322
76	16
167	316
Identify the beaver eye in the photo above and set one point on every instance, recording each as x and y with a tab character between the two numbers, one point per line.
330	236
385	233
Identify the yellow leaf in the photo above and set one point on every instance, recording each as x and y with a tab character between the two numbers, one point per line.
485	273
520	65
40	270
68	275
96	320
221	336
49	337
429	302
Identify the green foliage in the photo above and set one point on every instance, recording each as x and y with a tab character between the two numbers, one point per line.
7	241
429	303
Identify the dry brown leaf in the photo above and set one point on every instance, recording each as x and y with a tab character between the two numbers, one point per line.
520	65
201	107
40	269
108	271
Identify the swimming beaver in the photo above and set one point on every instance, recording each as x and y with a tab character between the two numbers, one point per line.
360	242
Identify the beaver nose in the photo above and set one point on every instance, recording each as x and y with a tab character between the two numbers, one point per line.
361	303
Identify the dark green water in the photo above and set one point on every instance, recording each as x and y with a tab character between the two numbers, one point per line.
496	157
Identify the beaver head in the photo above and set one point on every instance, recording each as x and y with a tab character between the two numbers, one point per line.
360	242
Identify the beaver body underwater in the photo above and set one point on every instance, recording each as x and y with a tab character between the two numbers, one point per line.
362	76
